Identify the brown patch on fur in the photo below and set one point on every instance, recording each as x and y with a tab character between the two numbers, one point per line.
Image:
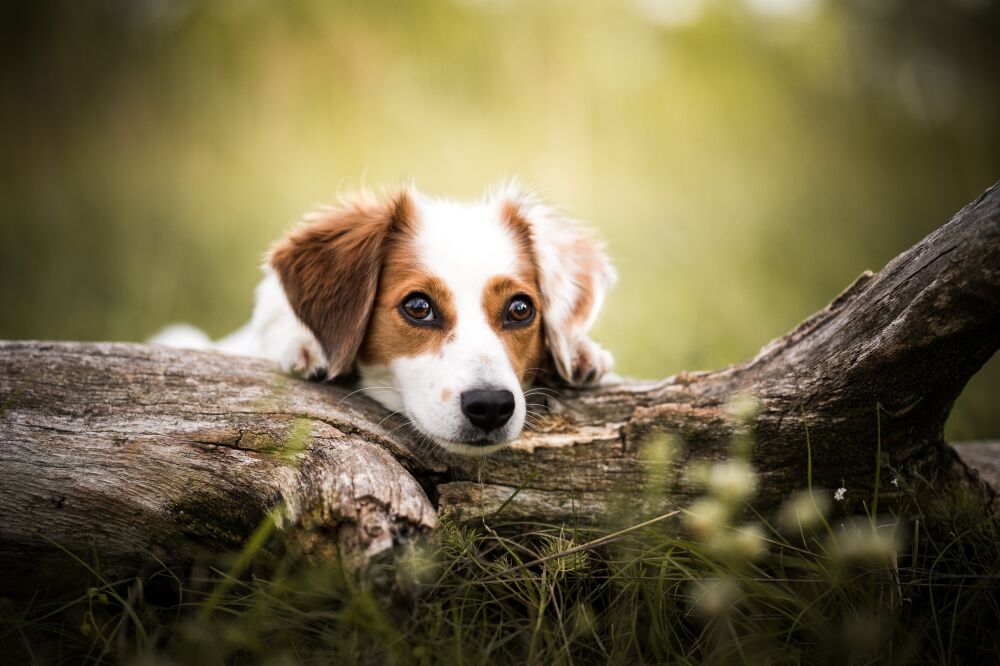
403	212
330	269
525	345
520	228
391	336
584	304
575	282
445	394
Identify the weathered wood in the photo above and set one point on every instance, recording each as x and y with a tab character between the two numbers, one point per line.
983	457
137	450
140	452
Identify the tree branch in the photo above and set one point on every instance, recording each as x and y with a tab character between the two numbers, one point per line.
136	450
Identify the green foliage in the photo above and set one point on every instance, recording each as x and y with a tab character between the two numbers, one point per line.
918	585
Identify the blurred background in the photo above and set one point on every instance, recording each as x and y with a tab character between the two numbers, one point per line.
745	159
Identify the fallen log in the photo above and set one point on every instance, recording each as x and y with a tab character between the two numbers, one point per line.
135	453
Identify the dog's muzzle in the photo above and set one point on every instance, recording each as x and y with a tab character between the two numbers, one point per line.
488	408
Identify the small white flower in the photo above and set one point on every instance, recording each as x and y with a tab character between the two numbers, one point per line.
895	482
839	495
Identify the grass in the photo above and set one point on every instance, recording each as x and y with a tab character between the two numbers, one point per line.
817	581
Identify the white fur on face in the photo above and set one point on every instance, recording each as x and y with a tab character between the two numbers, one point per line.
464	246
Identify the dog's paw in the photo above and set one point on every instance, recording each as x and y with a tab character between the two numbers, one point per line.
590	363
303	358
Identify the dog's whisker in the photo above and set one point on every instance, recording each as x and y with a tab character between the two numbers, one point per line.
390	415
541	415
367	388
544	390
421	442
539	398
538	412
408	423
541	423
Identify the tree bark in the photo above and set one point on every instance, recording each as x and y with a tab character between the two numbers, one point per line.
132	451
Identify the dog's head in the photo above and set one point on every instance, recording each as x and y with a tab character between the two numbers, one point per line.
447	310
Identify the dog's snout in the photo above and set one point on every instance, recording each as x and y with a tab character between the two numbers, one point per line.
488	408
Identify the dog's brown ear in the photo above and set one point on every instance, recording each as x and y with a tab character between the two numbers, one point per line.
574	276
329	269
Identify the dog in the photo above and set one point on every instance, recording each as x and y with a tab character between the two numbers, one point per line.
443	311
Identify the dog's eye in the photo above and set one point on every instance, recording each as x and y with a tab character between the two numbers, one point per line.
520	311
418	309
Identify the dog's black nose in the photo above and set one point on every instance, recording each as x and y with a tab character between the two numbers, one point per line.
488	408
